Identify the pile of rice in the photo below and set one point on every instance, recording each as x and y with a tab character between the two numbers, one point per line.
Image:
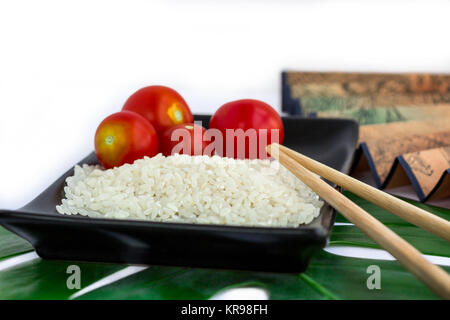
192	189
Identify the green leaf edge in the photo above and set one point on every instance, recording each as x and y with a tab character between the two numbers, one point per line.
317	286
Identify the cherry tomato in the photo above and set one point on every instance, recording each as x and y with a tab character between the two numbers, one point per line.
124	137
162	106
247	118
186	138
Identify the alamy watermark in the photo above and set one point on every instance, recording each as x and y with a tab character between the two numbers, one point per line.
237	143
74	280
374	280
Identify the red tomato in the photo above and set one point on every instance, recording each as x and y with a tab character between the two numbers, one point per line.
124	137
162	106
186	138
252	117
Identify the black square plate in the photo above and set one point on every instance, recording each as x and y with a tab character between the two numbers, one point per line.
56	236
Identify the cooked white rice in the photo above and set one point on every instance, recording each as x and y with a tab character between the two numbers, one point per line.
198	189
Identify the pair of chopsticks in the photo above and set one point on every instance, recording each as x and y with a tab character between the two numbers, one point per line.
301	166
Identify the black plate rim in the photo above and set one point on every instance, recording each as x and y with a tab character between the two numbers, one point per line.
143	224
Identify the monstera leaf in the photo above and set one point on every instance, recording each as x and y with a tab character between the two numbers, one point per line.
424	241
329	276
10	244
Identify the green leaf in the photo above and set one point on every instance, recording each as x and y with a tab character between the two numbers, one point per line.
346	278
420	239
423	240
328	277
11	244
389	218
44	279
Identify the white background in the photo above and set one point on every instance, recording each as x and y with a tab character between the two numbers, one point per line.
64	66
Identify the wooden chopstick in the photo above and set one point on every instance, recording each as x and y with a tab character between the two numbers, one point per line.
403	209
433	276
